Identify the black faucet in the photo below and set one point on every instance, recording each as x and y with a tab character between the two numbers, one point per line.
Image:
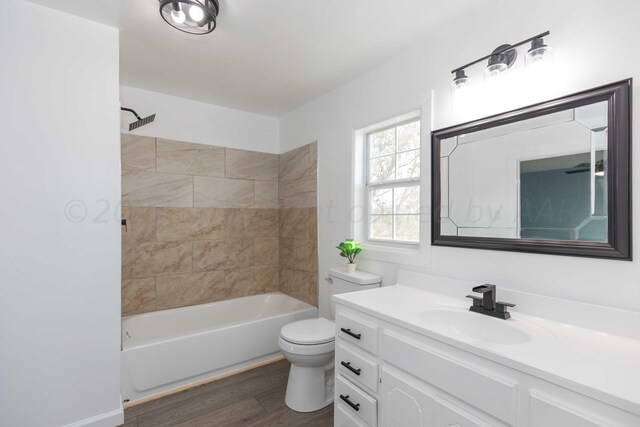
487	304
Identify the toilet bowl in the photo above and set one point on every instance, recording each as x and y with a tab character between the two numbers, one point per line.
310	346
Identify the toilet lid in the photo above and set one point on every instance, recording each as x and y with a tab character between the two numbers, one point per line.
309	331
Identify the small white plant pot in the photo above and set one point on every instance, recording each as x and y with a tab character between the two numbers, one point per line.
351	268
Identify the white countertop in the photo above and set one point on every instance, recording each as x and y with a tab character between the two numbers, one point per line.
595	363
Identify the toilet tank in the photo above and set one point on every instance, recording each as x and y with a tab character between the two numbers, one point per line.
341	282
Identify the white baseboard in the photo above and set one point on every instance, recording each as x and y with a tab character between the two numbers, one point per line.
108	419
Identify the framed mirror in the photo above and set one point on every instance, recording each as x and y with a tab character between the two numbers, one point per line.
551	178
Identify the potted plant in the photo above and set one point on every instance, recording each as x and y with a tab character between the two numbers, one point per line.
349	250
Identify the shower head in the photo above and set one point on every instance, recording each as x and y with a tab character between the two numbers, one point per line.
140	121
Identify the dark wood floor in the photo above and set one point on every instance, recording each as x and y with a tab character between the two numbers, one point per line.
253	398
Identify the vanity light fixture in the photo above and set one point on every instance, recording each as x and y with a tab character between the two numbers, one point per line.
460	80
190	16
503	57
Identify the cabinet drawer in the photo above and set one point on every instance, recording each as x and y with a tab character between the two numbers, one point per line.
357	367
447	414
476	386
343	418
547	410
356	401
358	330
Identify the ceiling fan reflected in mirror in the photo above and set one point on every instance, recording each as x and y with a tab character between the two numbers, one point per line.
586	167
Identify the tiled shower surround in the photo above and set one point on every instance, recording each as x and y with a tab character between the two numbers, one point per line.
204	223
298	223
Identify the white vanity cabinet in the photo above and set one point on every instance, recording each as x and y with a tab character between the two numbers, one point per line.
390	376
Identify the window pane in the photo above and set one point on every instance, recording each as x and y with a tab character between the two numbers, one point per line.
409	136
408	164
394	154
381	227
381	143
407	199
381	201
407	228
382	169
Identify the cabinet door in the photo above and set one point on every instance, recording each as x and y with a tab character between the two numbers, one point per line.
402	404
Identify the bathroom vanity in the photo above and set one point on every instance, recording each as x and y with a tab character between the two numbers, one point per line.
414	355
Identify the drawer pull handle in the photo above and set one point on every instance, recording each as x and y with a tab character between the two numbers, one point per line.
348	332
355	406
351	368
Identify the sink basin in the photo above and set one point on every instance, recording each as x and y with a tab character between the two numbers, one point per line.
479	327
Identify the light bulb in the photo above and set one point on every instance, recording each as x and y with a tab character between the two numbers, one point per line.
178	16
196	13
495	69
496	65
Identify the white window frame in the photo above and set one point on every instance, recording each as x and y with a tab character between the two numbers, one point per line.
405	182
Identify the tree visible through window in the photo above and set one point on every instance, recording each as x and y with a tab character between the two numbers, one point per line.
393	183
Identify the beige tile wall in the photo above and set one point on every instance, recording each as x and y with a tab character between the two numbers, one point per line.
211	223
298	223
202	223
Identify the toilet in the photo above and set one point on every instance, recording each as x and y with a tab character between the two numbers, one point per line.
310	344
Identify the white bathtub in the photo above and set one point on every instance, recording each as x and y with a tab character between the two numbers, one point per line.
168	349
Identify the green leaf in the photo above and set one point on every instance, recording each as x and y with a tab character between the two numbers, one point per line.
349	249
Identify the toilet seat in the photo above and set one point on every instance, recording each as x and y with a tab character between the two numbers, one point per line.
309	332
306	349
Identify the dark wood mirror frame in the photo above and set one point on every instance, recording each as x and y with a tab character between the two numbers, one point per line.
618	247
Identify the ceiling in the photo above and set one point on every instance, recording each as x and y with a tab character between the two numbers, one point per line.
102	11
268	57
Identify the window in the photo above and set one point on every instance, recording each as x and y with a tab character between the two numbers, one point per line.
393	183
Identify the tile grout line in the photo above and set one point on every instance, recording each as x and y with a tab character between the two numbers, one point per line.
155	152
155	278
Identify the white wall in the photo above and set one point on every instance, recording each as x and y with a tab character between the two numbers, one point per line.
192	121
593	43
59	270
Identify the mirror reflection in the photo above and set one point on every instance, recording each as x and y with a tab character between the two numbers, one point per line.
543	178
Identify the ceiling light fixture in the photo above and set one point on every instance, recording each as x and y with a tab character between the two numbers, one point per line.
200	17
503	57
